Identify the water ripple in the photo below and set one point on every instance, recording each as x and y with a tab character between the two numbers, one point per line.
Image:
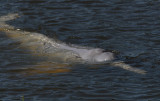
128	28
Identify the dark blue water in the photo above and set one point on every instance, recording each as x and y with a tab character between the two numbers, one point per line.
129	28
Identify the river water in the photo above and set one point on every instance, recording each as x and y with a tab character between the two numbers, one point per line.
129	28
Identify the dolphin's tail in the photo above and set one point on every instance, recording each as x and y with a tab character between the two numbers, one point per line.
5	18
8	17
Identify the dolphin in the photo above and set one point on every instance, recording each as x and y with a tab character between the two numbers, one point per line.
46	45
41	45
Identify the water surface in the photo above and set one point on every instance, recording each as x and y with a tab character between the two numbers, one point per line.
128	28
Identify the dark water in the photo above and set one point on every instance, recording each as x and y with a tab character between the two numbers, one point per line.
130	28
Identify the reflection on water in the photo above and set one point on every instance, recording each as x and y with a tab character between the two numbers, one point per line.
130	28
46	67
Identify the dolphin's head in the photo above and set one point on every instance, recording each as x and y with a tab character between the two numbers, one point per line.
98	55
103	57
